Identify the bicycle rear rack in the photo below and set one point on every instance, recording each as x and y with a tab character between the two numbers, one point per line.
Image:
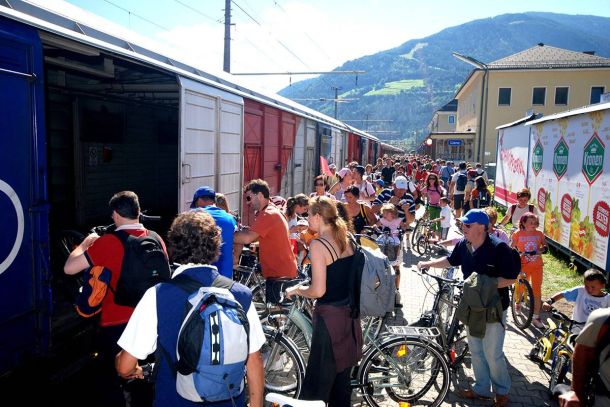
418	331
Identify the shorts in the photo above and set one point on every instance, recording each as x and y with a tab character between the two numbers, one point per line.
458	201
435	213
444	233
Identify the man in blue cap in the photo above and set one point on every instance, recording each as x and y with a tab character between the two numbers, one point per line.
487	255
204	199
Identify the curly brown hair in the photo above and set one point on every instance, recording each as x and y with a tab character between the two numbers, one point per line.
194	238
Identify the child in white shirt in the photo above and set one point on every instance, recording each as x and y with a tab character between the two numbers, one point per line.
586	298
445	217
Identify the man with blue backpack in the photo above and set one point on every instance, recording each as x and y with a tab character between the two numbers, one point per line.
203	327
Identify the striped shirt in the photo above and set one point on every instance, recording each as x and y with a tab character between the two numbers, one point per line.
406	199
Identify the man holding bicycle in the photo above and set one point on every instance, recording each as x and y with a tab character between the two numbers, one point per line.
479	252
108	251
270	229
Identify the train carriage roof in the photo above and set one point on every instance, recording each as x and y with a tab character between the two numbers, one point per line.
86	28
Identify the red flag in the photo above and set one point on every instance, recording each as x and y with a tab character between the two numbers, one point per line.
324	167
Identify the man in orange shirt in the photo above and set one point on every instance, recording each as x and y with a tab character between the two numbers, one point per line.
270	229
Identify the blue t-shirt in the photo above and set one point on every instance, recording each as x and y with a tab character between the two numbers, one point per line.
226	223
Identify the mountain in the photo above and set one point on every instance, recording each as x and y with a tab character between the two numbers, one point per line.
407	84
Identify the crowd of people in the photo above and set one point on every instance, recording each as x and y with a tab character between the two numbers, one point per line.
314	228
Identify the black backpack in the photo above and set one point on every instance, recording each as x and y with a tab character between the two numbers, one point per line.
483	200
460	182
144	265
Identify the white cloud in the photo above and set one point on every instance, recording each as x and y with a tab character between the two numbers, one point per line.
322	41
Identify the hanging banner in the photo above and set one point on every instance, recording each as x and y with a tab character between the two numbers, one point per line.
570	181
511	163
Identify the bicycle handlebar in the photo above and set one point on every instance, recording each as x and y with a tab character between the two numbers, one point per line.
451	281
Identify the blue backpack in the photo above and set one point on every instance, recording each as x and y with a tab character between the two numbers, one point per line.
213	342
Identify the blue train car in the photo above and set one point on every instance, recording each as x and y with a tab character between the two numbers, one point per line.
25	298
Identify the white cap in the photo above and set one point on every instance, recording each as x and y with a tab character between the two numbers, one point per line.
401	182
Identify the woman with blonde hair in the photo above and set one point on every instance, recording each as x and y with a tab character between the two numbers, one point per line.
337	338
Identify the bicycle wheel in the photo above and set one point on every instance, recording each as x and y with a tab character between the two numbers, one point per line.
283	364
445	309
404	369
422	245
559	371
522	303
537	352
298	328
374	325
416	232
457	341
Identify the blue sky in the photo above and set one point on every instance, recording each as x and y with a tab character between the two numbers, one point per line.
302	35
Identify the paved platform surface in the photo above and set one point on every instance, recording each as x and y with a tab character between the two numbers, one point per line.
529	380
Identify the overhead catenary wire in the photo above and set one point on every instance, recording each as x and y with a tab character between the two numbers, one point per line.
131	13
216	20
278	5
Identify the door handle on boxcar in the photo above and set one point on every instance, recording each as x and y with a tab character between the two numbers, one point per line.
187	178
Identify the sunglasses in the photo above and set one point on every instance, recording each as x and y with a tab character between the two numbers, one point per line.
465	226
319	185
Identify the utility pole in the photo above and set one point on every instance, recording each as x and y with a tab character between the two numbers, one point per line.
336	98
227	55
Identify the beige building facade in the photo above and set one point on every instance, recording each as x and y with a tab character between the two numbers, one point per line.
541	79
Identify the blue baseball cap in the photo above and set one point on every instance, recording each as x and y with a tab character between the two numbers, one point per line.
475	216
380	183
203	192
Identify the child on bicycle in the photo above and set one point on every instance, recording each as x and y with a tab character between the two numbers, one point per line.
531	244
389	219
586	298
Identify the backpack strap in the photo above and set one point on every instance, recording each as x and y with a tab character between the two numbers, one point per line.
190	285
329	247
362	212
512	209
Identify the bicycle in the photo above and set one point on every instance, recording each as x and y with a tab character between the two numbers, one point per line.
292	318
453	338
417	229
282	362
522	302
557	345
427	242
404	365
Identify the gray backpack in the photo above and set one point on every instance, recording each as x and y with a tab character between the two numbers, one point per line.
374	277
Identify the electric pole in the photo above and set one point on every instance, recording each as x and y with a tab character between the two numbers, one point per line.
336	98
227	55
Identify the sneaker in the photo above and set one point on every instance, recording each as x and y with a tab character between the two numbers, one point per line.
537	322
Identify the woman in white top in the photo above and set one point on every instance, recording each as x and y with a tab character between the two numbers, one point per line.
320	188
345	180
515	211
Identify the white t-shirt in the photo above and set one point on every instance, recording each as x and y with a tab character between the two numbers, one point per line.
367	190
446	214
454	178
140	335
584	303
519	212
